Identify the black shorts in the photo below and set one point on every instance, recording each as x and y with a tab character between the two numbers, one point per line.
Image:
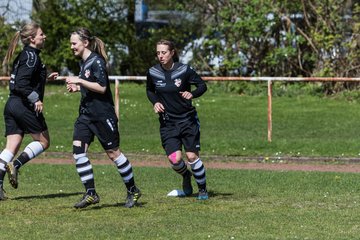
21	119
186	133
105	129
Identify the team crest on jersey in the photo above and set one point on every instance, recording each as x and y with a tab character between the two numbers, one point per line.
87	73
177	82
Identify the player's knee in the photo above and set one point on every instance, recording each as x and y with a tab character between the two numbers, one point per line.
174	158
191	156
78	151
113	154
45	144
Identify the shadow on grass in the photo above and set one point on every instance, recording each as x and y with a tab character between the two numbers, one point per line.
213	194
117	205
55	195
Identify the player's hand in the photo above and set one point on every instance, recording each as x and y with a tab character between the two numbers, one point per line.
73	80
38	106
53	76
159	108
72	87
186	95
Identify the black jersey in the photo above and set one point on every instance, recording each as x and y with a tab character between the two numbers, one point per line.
28	76
93	104
164	86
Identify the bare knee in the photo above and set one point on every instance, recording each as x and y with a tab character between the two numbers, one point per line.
113	154
43	138
45	144
192	156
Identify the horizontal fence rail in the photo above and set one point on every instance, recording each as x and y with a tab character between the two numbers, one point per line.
286	79
269	81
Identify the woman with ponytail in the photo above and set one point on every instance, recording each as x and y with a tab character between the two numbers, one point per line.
23	111
170	87
96	117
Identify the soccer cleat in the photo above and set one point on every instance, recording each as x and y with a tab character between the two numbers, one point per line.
12	172
87	200
132	198
203	195
2	194
186	184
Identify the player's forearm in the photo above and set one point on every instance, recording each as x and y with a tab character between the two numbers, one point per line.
92	86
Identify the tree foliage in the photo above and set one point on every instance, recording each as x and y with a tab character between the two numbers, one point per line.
59	18
226	37
279	38
110	20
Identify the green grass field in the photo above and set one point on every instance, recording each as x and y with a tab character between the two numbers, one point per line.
231	124
244	204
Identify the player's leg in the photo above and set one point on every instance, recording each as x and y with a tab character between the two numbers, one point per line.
86	174
199	173
171	142
40	144
35	124
107	132
125	170
179	166
82	138
13	143
191	141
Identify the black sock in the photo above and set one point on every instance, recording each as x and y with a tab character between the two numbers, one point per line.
2	175
180	168
126	172
21	160
199	173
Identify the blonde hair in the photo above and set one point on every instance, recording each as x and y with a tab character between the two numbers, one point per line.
28	31
96	44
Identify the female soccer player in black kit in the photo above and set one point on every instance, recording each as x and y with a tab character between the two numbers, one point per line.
96	117
169	90
24	107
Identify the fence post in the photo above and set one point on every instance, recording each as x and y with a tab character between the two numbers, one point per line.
269	110
117	99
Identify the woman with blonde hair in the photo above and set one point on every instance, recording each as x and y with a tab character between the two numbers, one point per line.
96	117
23	112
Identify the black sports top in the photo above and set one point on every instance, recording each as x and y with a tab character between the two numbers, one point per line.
164	86
28	76
95	105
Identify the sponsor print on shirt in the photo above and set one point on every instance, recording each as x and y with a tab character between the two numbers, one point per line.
160	84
